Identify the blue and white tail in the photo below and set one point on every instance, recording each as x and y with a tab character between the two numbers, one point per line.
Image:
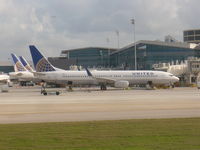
26	64
18	67
41	64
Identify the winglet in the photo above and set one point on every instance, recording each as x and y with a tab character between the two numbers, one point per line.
88	72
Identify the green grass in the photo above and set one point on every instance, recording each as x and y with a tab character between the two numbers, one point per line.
153	134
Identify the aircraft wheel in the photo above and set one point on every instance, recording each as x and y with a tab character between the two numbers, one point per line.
103	87
172	86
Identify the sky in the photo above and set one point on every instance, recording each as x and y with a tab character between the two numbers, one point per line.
55	25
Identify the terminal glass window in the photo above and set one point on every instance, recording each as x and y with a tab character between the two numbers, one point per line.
191	38
186	38
197	32
197	37
190	32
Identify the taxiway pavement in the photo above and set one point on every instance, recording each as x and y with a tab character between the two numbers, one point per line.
27	105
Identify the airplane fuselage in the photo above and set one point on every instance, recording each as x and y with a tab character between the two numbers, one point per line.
133	77
22	75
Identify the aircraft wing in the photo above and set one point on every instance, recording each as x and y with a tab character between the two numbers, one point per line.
19	74
107	80
38	74
100	79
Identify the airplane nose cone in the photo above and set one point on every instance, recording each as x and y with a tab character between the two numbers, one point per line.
176	79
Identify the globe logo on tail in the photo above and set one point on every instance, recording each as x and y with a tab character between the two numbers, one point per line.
19	67
44	66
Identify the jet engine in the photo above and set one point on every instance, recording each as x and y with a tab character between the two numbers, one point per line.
121	84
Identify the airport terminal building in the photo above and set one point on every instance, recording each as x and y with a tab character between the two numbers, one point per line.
148	54
6	67
152	52
191	36
92	57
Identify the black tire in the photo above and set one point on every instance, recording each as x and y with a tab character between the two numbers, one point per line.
101	87
57	93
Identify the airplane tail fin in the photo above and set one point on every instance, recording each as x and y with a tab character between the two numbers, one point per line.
26	64
41	64
17	64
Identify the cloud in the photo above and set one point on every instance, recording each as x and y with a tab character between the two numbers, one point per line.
188	13
54	25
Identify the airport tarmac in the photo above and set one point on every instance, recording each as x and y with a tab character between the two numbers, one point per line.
27	105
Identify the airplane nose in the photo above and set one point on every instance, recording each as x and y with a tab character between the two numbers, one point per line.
176	79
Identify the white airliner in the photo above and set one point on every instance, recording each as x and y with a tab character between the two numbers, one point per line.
119	79
21	73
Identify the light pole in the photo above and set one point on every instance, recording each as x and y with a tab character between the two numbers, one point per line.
108	41
101	54
133	22
117	32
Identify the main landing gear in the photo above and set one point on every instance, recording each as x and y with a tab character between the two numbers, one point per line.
171	85
149	85
70	86
103	87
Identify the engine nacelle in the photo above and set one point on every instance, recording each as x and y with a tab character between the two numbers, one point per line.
121	84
